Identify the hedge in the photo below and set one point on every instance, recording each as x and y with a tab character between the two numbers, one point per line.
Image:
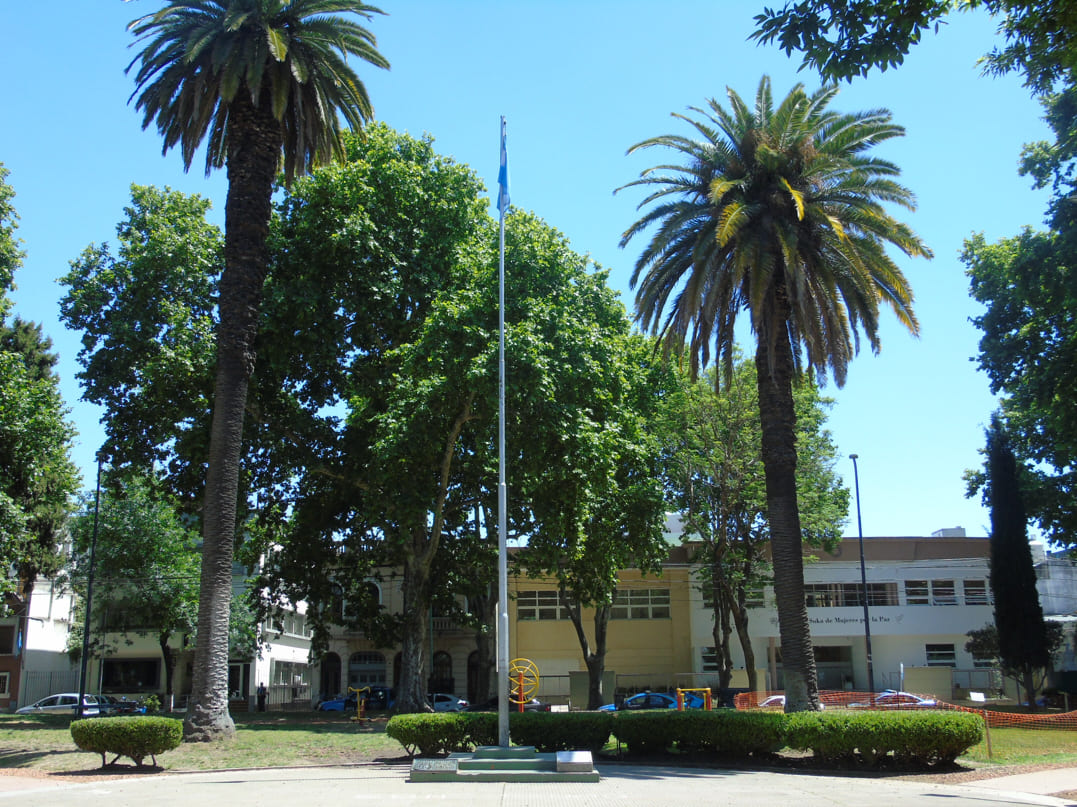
443	732
136	737
924	737
839	736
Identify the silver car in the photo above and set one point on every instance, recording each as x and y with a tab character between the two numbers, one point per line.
64	703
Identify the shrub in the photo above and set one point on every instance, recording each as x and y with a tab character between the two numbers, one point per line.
561	731
722	731
923	737
435	733
136	737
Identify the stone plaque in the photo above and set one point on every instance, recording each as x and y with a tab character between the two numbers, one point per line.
434	765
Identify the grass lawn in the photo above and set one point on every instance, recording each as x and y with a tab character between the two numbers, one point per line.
266	740
286	739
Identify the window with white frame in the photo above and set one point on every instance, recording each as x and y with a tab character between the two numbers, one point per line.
754	596
838	595
541	604
976	592
943	592
710	660
640	603
940	655
916	592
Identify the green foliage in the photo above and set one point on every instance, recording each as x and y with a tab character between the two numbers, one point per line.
147	564
1028	350
37	476
460	731
135	737
147	314
11	254
924	737
722	731
203	61
437	733
846	38
561	731
152	703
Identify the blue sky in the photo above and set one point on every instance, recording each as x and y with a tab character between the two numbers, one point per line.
579	82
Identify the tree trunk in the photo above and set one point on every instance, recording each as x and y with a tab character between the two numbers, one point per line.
720	632
740	621
253	156
593	658
168	661
777	415
485	647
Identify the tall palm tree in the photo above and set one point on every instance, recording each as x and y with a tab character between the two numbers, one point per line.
777	212
264	79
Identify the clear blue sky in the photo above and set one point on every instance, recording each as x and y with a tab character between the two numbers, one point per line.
579	82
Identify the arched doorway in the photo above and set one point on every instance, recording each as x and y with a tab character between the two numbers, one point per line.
330	675
366	668
441	679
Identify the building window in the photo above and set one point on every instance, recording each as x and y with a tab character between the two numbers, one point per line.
366	668
980	661
916	592
531	605
239	680
641	603
130	675
710	660
976	592
754	596
943	592
844	595
941	655
5	684
7	640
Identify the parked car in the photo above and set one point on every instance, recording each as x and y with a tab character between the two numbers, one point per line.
778	702
111	705
446	703
340	703
653	700
893	699
533	705
64	703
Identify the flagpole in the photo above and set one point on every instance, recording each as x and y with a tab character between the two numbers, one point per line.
502	490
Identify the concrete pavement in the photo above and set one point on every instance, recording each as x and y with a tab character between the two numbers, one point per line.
621	785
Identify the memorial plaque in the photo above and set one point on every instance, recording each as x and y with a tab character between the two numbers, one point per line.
434	765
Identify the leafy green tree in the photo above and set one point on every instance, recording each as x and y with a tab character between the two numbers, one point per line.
1028	350
598	508
146	566
713	473
261	78
983	643
146	313
776	211
846	38
11	254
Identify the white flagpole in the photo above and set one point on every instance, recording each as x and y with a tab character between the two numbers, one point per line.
502	490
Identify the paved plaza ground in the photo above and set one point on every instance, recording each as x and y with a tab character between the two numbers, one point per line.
621	786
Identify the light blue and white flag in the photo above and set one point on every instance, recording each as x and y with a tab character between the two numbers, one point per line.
503	174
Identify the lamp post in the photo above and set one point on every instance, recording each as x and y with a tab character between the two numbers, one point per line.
863	578
89	596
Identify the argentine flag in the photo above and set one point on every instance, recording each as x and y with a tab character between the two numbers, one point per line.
503	174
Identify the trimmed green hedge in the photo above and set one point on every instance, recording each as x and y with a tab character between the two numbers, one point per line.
723	731
444	732
924	737
841	736
136	737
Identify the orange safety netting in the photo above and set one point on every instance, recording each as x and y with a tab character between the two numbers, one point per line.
906	701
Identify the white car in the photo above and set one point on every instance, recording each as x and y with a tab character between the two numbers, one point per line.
446	703
64	703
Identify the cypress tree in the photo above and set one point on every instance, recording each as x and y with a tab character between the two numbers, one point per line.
1022	635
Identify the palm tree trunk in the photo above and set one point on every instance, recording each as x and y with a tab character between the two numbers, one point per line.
253	156
774	377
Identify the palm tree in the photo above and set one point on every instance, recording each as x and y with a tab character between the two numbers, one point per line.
261	78
777	212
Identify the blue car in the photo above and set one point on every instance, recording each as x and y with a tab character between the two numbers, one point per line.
653	700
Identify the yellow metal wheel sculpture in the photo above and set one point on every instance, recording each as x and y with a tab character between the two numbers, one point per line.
524	680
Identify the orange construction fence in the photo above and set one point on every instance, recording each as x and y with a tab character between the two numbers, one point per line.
841	699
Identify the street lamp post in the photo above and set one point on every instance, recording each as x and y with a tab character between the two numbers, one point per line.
89	597
863	577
